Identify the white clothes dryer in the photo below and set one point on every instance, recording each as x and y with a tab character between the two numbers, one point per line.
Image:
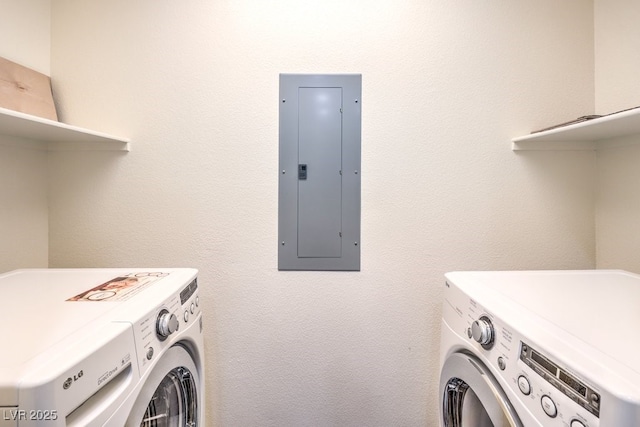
540	348
101	347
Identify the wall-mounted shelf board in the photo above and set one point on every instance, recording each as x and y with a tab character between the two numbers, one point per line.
56	135
587	135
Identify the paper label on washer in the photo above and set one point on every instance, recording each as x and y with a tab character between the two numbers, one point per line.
120	288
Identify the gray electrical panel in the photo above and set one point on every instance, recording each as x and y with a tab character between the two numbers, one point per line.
319	187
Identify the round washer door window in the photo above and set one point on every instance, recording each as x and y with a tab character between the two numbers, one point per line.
471	397
169	397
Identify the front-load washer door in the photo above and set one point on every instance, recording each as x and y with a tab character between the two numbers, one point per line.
169	396
470	396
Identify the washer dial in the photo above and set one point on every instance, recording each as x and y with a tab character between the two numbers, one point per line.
482	332
166	324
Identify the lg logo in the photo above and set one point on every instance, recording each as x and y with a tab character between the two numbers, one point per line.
69	381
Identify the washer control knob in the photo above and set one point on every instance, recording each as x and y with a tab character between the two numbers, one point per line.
482	332
167	324
577	423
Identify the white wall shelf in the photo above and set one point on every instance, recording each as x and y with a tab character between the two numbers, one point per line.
588	135
56	135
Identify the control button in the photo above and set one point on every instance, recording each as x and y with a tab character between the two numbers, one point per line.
186	316
549	406
524	385
501	363
469	334
197	301
192	308
595	401
577	423
149	353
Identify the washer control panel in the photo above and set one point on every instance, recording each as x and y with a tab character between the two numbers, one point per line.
155	331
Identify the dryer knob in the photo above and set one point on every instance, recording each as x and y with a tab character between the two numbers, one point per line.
167	324
482	331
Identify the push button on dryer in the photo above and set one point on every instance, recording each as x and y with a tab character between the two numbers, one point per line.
549	406
576	423
524	386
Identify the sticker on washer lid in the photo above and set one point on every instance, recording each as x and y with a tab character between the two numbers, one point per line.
120	288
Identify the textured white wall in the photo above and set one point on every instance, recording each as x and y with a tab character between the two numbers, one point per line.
617	43
25	30
617	66
445	87
23	211
24	241
618	208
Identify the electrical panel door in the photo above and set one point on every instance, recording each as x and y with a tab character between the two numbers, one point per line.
319	188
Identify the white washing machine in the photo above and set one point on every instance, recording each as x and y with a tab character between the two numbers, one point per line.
101	347
540	348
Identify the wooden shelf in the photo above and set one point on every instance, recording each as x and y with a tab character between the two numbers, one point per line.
56	135
588	135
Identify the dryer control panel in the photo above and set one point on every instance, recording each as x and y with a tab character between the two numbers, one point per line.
543	390
561	378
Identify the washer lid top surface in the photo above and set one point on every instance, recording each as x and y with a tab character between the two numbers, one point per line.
599	307
43	307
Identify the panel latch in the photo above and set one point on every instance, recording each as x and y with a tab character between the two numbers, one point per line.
302	171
